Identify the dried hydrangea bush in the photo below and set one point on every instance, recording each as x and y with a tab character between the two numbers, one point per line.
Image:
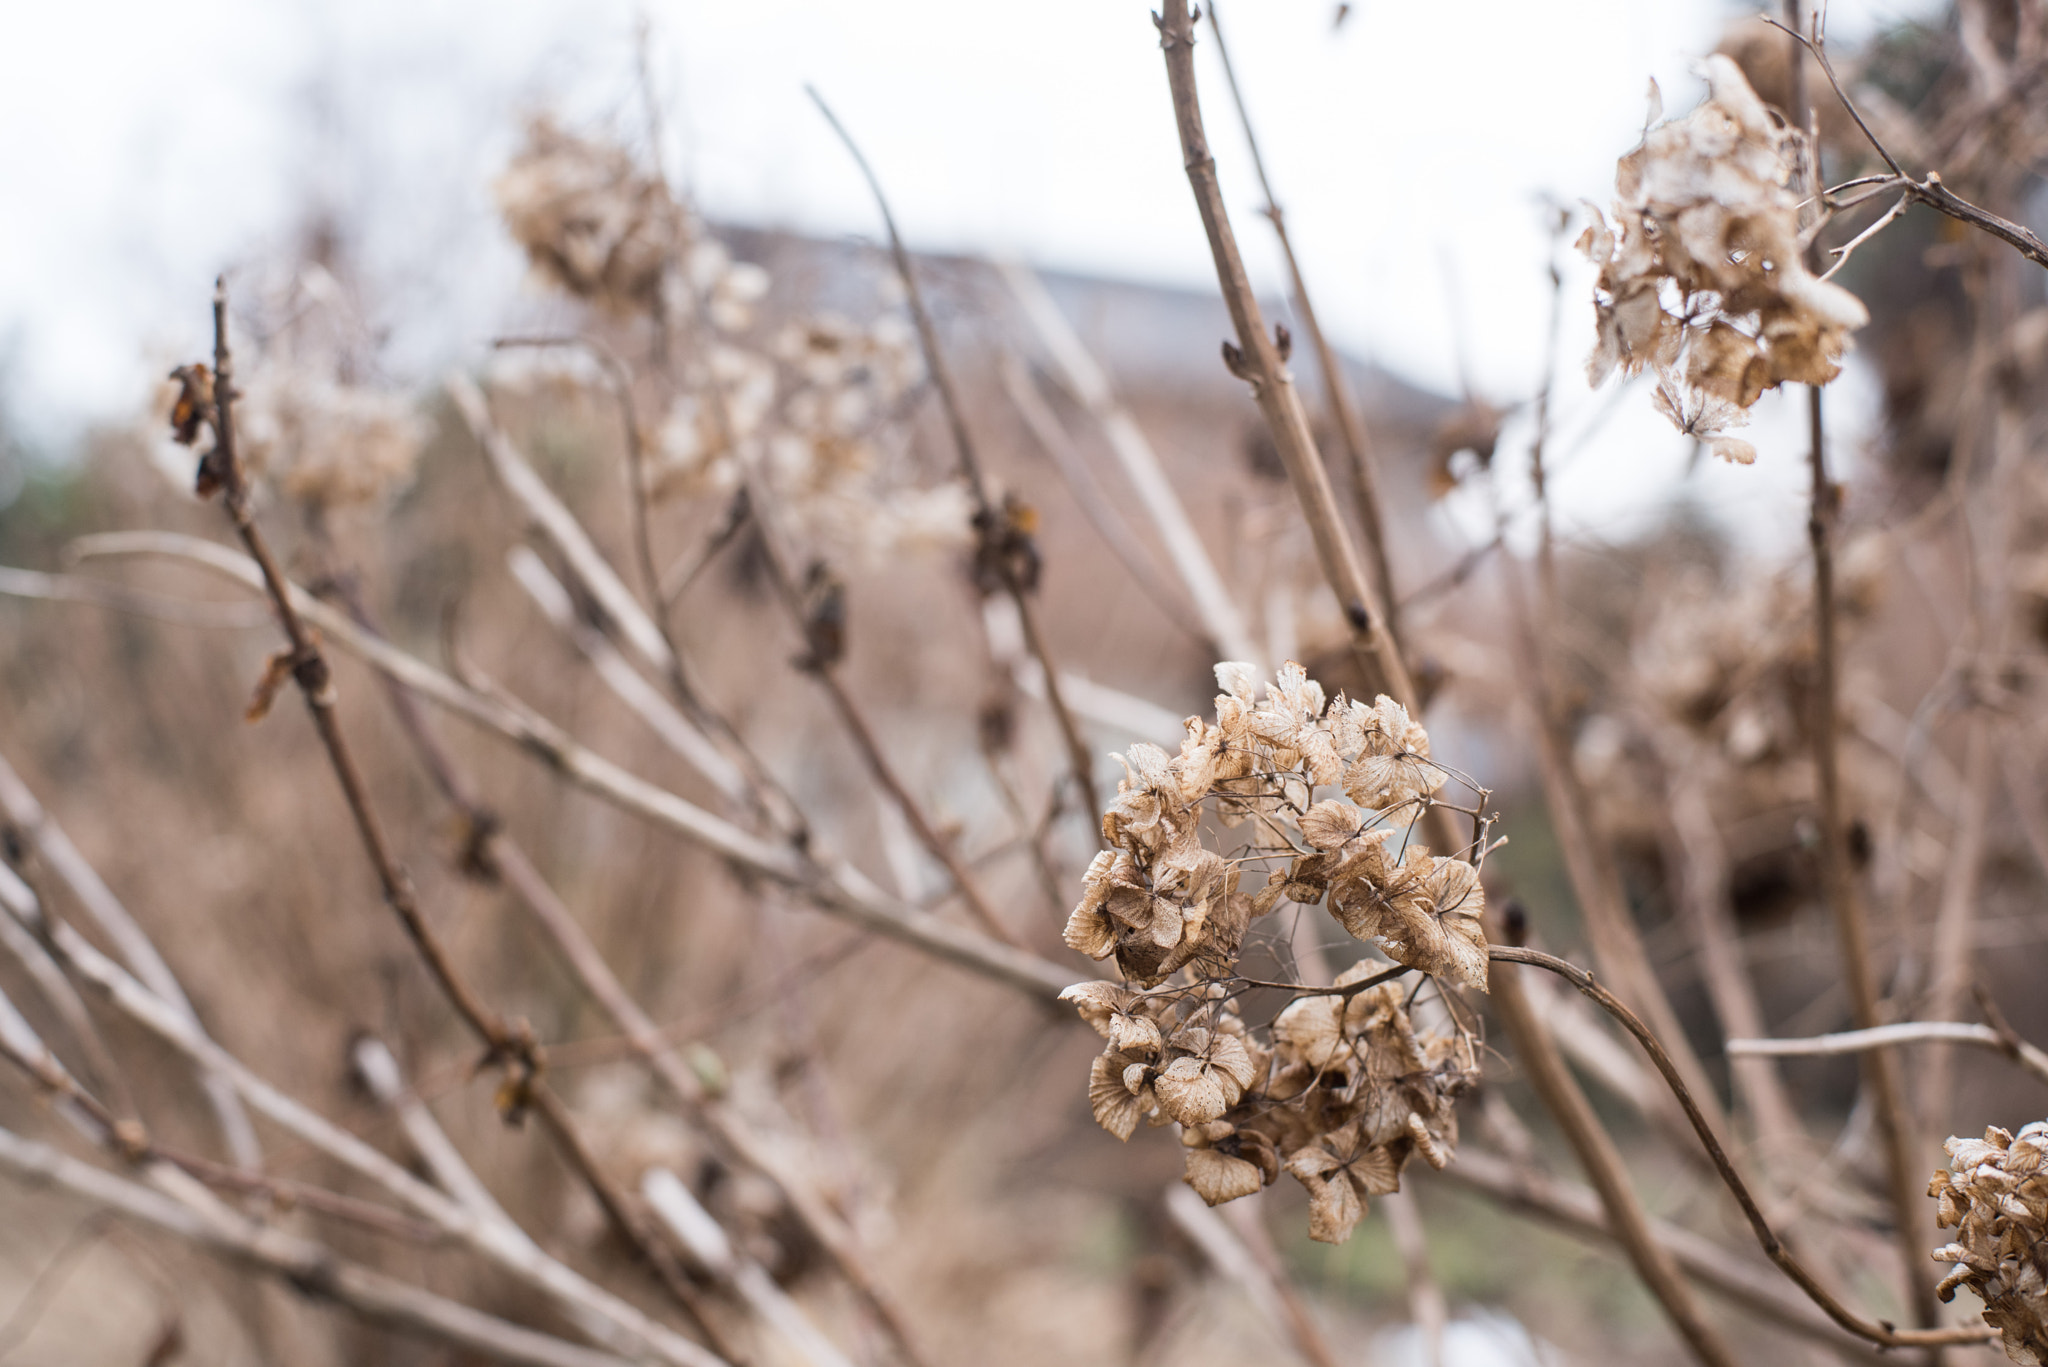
1702	276
1341	1087
1994	1194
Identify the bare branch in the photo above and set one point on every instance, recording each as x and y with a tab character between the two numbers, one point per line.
836	888
307	1266
988	518
2028	1056
1882	1334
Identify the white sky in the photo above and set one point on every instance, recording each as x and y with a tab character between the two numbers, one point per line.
154	144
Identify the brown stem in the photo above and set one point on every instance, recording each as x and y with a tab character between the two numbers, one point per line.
503	856
510	1046
1589	865
1351	428
988	518
1773	1246
1256	358
1553	1083
1702	862
1754	1291
1955	930
1844	893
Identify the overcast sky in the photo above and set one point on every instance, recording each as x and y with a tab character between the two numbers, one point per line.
154	144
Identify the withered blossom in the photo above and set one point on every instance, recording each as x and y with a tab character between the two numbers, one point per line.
1338	1089
1702	276
591	221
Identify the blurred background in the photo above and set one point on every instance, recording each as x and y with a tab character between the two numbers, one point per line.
347	168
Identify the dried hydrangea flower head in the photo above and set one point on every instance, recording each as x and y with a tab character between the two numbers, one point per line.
819	408
1994	1194
1702	276
591	221
1340	1088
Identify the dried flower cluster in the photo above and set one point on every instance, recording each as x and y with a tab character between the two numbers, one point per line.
1701	273
1994	1194
1341	1088
818	405
591	221
320	442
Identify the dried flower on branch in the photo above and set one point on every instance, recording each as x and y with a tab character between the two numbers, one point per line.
591	221
1339	1089
1702	277
1994	1193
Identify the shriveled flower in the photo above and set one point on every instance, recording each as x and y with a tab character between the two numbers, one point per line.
1994	1194
1340	1170
591	221
1389	753
1702	276
1426	913
1217	1166
1208	1073
1339	1088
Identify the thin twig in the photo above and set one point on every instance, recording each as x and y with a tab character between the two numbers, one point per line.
1774	1248
497	851
620	610
1704	899
713	1249
2028	1056
26	815
1257	360
1844	894
1930	190
835	887
1954	957
988	518
1222	619
1750	1288
1228	1253
306	1266
509	1046
1545	1069
1351	428
1096	504
81	958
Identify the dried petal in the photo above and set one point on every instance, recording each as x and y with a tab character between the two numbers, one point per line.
1218	1177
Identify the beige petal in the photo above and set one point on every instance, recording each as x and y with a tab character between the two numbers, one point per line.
1134	1035
1439	1157
1233	1063
1116	1109
1334	1204
1217	1177
1327	825
1238	679
1090	932
1191	1091
1098	1002
1308	1031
